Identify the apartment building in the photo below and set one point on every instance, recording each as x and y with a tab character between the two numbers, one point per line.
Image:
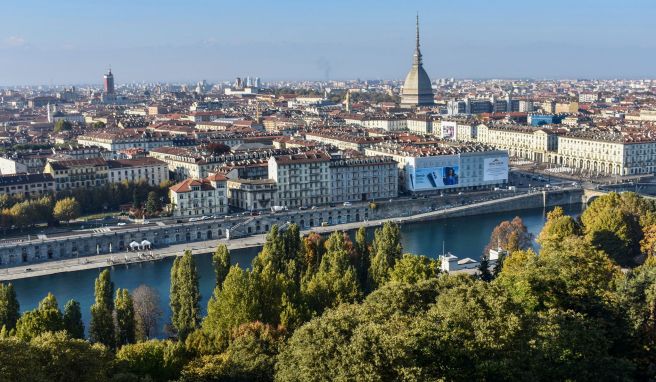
27	185
363	178
149	170
526	142
303	179
252	194
78	173
200	197
607	153
439	168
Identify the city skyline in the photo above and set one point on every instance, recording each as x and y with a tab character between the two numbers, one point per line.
75	42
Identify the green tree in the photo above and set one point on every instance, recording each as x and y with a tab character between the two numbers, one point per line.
386	251
45	318
19	361
73	319
558	226
412	269
101	327
62	125
152	203
484	269
221	263
125	323
363	255
9	306
150	360
335	281
66	209
614	223
231	305
67	359
185	295
250	356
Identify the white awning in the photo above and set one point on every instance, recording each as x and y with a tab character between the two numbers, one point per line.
145	243
134	244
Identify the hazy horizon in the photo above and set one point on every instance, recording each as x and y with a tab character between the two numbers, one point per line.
74	42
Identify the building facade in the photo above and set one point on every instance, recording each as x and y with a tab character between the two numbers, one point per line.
200	197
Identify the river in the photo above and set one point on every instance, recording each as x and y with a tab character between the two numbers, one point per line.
464	237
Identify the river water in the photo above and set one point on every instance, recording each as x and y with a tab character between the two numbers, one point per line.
464	237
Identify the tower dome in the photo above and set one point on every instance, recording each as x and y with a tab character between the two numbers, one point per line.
417	89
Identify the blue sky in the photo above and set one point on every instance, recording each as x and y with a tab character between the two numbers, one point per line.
70	41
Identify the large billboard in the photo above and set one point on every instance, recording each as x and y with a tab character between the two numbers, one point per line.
432	173
495	168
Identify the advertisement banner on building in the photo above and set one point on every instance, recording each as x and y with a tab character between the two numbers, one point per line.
495	168
448	131
426	173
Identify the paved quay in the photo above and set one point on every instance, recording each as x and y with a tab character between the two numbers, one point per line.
257	240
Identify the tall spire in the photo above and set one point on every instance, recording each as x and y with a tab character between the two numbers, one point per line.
417	55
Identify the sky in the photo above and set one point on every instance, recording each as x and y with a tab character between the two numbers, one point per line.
74	41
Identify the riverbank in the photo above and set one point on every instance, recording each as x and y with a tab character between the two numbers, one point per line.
519	202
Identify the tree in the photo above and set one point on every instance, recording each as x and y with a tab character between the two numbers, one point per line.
335	281
124	315
386	251
147	311
67	359
412	269
185	295
218	148
136	199
73	319
101	327
558	226
250	356
9	306
62	125
66	209
221	263
231	305
152	203
151	360
363	255
98	125
45	318
509	235
614	223
484	269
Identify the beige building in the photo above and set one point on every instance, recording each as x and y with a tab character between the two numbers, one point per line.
252	194
607	153
200	197
149	170
78	173
520	141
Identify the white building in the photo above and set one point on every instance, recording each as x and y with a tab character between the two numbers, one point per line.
200	197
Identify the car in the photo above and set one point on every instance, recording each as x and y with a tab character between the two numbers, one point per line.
346	204
28	269
146	222
302	208
313	207
324	224
121	224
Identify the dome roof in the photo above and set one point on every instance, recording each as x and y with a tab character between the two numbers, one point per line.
417	89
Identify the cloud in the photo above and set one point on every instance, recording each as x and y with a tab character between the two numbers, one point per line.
15	41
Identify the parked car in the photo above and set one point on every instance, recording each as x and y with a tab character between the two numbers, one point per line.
346	204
